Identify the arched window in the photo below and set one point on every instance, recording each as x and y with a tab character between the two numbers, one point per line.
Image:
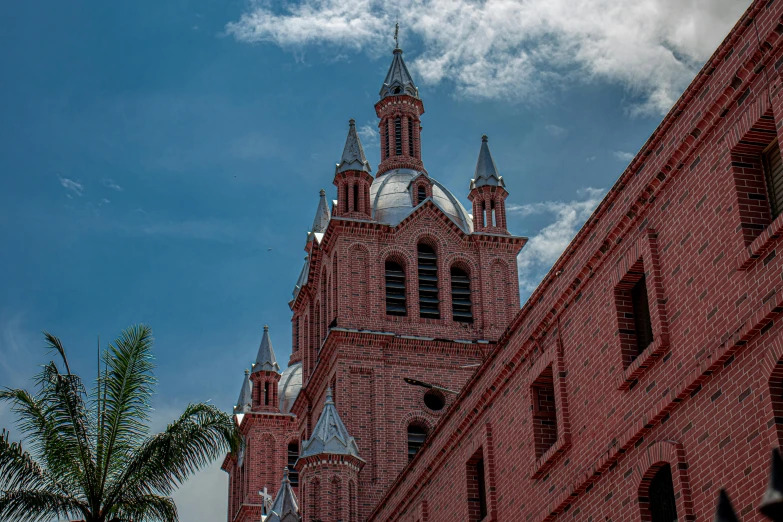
429	304
660	496
492	207
416	436
395	289
397	137
421	194
266	394
461	304
411	123
386	141
355	197
293	456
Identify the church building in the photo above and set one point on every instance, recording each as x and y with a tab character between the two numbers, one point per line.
644	374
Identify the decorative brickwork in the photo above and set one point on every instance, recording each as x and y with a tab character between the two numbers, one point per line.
691	218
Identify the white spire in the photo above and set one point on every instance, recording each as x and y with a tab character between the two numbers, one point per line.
285	507
330	434
245	401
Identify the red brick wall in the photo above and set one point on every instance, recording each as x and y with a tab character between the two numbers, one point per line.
704	395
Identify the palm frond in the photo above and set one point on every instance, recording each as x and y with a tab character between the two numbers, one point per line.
55	344
38	506
57	454
128	391
63	398
199	436
145	508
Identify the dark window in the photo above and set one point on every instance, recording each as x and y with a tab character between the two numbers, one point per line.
461	305
641	315
411	123
397	137
544	412
429	304
356	196
492	207
773	171
421	194
434	400
266	394
661	501
416	436
293	455
477	488
386	140
395	289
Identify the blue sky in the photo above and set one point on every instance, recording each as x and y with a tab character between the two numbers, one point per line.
161	161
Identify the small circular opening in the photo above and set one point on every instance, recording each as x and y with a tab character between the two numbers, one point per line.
434	400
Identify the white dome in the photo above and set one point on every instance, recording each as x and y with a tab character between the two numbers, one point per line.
290	385
392	199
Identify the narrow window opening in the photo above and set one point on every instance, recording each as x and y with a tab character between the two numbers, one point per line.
421	194
411	123
476	487
544	412
266	394
492	206
385	141
355	197
641	316
429	304
293	456
395	289
773	172
484	213
416	436
461	304
660	496
397	136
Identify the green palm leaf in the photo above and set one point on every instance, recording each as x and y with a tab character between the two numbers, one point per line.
95	460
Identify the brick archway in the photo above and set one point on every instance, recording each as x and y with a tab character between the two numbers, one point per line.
655	457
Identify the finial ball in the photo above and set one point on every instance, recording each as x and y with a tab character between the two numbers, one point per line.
484	138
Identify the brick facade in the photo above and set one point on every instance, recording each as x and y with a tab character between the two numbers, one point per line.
699	398
643	374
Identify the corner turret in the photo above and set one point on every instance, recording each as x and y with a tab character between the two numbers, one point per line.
352	178
488	194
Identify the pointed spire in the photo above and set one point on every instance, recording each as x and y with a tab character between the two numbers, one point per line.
398	80
265	360
303	275
725	512
245	401
322	214
486	170
772	503
330	434
353	153
285	507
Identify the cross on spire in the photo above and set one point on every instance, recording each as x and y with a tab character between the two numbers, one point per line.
266	500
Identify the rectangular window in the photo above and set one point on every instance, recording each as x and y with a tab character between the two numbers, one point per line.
266	394
773	172
293	456
398	137
544	412
641	315
476	487
411	123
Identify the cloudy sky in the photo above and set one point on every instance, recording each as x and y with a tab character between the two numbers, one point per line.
160	161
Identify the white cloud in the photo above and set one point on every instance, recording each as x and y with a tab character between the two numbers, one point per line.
110	183
623	156
590	159
555	130
368	135
544	247
72	186
516	49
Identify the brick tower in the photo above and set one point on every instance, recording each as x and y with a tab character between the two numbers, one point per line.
402	295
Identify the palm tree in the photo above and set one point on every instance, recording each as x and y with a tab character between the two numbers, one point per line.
91	456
